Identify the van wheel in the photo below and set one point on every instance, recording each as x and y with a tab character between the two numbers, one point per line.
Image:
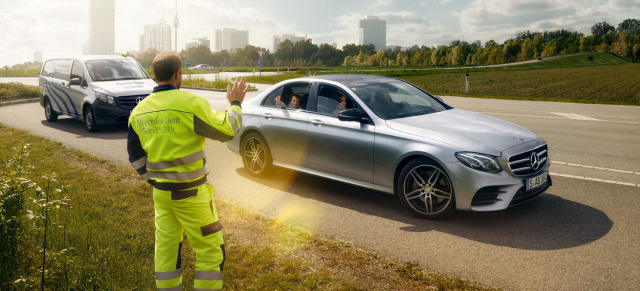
48	111
90	119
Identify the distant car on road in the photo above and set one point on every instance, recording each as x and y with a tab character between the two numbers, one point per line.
203	67
389	135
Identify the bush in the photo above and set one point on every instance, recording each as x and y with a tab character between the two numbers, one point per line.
15	91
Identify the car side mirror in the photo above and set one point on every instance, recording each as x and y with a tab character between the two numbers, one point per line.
353	114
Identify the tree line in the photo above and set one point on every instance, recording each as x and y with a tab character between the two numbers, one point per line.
623	40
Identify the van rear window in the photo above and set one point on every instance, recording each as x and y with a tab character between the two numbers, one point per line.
113	70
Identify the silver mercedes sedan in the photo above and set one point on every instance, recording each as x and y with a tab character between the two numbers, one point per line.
389	135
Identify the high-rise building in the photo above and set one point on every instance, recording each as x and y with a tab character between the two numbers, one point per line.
157	36
102	28
373	30
198	42
278	39
231	38
37	56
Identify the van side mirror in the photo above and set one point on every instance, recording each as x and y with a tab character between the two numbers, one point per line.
75	81
353	114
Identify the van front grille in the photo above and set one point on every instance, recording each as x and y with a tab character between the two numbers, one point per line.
129	102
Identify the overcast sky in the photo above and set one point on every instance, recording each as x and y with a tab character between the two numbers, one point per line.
61	27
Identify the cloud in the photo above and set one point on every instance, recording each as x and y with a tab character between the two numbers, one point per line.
501	20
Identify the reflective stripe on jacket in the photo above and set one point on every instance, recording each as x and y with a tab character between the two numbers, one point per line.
167	132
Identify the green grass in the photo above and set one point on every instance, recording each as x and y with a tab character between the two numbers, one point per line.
104	239
19	73
16	91
607	84
600	78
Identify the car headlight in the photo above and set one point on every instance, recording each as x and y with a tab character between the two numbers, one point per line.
479	162
105	98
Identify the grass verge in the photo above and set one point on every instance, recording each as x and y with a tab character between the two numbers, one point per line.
601	78
104	238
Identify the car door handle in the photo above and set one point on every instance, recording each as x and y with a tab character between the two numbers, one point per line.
317	122
268	116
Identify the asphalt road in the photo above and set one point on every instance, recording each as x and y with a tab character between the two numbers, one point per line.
581	235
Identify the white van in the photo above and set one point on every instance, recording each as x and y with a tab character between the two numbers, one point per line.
101	90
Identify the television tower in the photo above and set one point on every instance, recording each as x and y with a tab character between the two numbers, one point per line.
176	24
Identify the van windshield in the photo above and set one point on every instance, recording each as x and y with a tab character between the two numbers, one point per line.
113	70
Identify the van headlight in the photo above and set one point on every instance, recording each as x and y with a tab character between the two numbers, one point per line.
486	163
105	98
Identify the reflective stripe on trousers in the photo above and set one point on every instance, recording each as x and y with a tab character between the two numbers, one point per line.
195	215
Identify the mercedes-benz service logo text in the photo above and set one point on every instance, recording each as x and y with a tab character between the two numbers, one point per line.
535	161
138	99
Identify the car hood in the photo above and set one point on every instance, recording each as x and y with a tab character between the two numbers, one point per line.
465	130
125	87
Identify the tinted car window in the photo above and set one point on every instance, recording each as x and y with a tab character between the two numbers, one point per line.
330	101
396	100
112	70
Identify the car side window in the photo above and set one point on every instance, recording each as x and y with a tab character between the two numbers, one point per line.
332	100
286	92
270	101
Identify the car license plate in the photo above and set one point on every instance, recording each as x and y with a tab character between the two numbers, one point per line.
536	181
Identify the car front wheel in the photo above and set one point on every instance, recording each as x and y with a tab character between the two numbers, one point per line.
49	113
256	156
425	189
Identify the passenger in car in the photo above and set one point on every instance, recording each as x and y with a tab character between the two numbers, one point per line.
294	103
342	105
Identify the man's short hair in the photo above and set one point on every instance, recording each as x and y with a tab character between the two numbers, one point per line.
165	64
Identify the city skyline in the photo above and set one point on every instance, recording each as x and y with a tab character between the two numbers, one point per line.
30	25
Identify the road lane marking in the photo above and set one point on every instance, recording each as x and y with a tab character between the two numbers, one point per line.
574	116
539	111
594	167
552	117
594	179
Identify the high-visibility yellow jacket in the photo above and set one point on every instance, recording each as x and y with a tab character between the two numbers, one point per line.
167	132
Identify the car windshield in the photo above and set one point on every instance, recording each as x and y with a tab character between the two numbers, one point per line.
113	70
397	100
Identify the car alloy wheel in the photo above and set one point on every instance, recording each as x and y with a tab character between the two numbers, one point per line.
426	190
255	155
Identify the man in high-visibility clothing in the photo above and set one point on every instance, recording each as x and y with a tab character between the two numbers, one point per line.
166	146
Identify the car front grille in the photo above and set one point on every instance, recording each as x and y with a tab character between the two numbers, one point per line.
521	165
129	102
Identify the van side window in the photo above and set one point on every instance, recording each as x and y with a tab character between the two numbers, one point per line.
48	69
77	72
62	69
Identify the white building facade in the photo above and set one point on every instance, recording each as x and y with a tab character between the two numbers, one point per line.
231	38
278	39
196	42
157	36
373	30
102	28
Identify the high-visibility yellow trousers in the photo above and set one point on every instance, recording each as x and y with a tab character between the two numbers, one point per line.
194	213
